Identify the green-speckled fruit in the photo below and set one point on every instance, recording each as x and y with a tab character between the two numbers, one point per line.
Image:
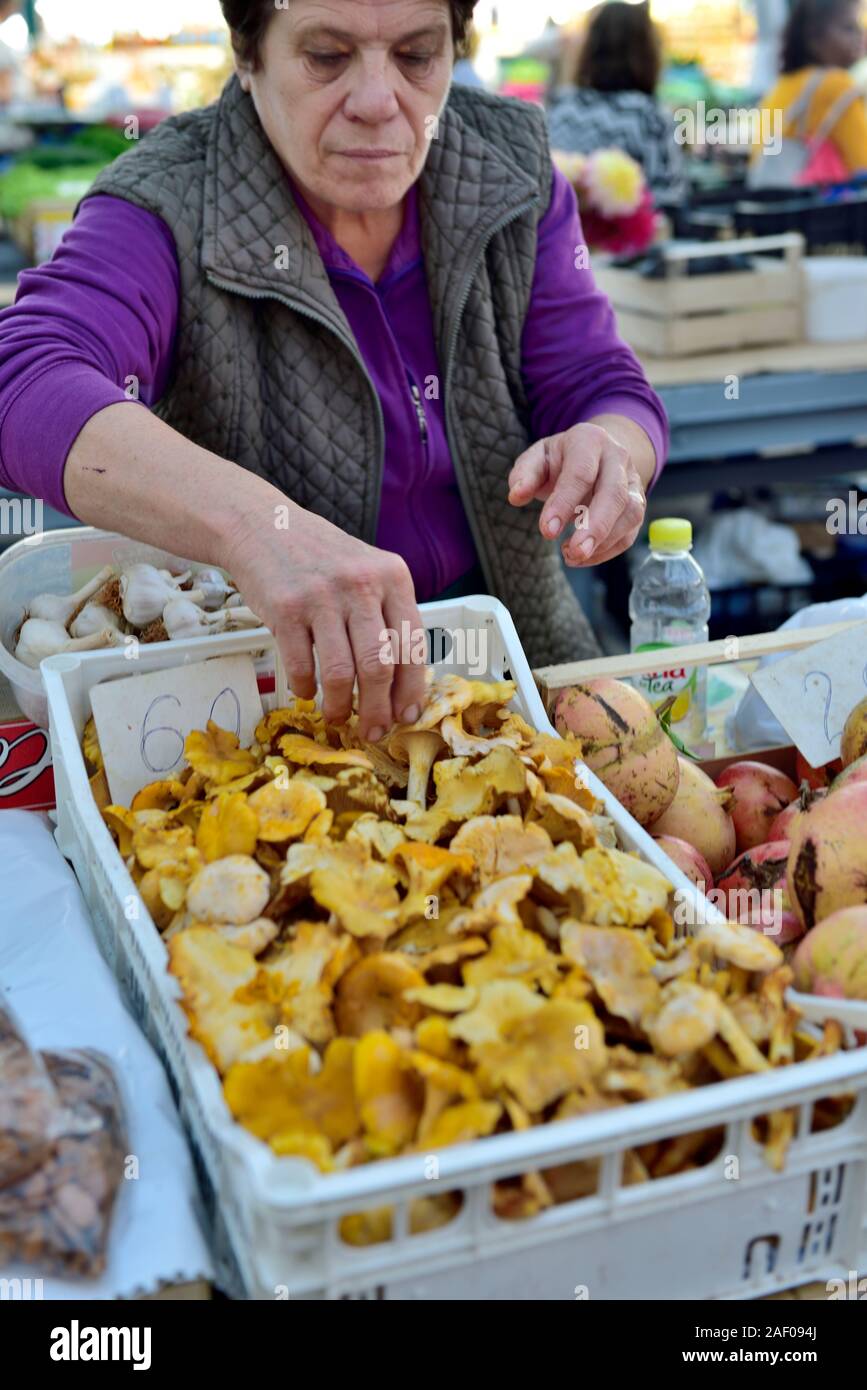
623	742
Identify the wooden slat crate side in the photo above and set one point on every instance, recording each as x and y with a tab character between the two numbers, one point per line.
775	283
677	337
552	679
741	328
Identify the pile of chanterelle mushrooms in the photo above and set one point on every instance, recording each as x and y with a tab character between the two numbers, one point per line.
389	948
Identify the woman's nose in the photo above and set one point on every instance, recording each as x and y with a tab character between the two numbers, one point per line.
372	97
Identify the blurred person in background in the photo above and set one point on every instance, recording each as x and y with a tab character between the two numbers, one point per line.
612	103
816	100
466	72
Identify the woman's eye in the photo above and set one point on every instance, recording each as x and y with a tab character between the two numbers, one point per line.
327	60
418	61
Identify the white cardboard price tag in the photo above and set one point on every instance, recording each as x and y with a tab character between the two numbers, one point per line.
142	721
812	692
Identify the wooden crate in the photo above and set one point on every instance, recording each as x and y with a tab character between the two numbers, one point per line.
683	314
552	679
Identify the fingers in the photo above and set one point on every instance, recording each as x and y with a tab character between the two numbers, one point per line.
605	506
335	602
625	532
409	689
296	648
620	539
336	665
582	451
613	519
375	675
531	475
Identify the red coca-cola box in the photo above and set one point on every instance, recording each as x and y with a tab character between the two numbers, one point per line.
26	777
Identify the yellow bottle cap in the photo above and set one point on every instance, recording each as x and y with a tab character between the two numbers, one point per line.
671	533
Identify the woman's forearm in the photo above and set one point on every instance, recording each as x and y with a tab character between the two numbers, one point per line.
93	327
129	471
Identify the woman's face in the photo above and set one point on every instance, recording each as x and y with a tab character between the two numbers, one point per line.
842	42
348	92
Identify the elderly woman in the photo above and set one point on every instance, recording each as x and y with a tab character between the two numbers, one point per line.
359	309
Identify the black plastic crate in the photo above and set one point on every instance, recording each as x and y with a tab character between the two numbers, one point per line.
842	222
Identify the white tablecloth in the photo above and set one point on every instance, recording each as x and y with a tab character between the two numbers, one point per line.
53	976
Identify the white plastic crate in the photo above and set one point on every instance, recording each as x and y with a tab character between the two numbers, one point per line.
698	1234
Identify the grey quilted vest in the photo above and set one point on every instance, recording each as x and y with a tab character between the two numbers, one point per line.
268	373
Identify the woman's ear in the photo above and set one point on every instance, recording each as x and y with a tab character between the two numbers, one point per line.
243	72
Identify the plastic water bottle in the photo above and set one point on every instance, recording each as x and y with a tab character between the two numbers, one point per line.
669	607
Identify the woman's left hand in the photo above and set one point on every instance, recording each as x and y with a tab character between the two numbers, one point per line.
587	477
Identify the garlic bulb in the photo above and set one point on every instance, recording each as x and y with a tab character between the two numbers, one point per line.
59	608
40	638
94	617
240	617
214	588
144	593
183	618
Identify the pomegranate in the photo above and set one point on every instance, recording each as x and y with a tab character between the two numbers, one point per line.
623	743
756	894
832	958
853	744
761	793
828	857
687	859
816	777
699	815
781	828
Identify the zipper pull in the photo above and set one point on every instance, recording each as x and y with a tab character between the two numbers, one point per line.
419	410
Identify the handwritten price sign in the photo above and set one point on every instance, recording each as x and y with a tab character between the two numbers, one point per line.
143	721
813	691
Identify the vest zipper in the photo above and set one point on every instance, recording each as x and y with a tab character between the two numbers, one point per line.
420	415
320	319
466	287
424	433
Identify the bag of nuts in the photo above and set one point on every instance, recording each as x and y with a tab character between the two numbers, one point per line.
28	1104
58	1216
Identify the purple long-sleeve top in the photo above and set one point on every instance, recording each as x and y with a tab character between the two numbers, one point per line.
96	325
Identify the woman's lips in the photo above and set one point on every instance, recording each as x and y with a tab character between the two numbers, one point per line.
369	154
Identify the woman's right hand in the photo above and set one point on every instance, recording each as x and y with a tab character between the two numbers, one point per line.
318	588
314	586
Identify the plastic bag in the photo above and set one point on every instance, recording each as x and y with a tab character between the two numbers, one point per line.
28	1104
58	1217
752	725
743	547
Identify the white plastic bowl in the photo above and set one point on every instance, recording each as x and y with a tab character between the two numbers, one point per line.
59	562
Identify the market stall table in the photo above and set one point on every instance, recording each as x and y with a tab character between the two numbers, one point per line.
790	413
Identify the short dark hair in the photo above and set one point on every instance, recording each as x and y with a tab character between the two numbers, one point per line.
622	51
248	20
805	25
